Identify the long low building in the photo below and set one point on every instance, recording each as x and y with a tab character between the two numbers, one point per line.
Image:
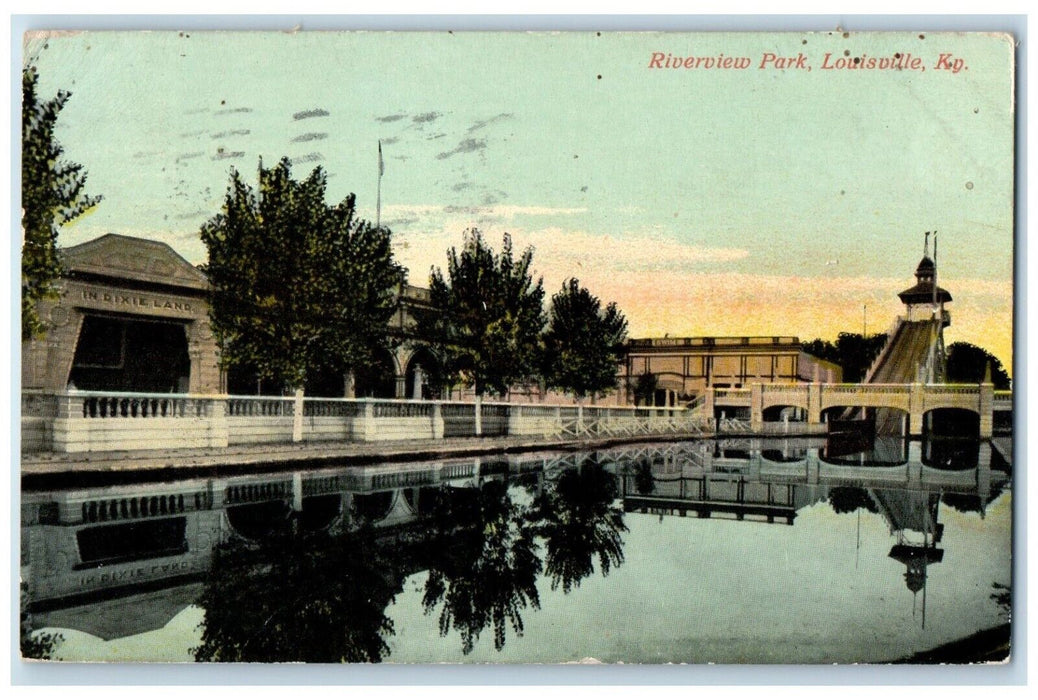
131	315
688	366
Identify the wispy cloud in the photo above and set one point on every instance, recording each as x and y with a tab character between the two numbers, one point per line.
390	118
235	110
308	158
310	136
483	123
310	114
465	146
426	117
232	132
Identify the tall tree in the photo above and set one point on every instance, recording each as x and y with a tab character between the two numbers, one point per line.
52	196
488	314
967	364
297	285
584	343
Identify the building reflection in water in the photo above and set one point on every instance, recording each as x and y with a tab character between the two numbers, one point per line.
302	566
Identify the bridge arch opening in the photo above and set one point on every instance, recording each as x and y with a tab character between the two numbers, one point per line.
950	455
784	414
864	449
951	422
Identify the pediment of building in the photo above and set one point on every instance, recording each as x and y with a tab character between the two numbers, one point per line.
139	259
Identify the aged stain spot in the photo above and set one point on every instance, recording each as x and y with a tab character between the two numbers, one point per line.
969	185
599	76
921	36
846	52
846	35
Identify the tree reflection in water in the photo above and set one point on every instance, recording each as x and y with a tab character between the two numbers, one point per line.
313	596
578	522
299	597
847	499
485	564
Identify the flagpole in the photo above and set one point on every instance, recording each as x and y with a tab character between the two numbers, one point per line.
378	189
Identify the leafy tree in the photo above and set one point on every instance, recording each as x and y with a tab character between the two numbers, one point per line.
579	523
583	344
967	364
852	351
645	388
297	285
488	315
52	196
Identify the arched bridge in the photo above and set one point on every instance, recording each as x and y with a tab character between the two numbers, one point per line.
915	400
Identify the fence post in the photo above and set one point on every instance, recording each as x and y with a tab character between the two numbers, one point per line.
479	415
368	421
437	420
297	417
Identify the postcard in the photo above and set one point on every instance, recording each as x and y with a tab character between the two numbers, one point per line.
503	347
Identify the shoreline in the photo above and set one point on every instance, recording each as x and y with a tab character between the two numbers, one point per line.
988	646
48	470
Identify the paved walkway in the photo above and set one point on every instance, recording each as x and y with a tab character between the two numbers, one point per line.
161	463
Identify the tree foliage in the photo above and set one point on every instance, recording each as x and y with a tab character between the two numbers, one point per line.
967	364
52	196
852	351
579	523
584	343
297	285
485	564
645	387
488	315
309	597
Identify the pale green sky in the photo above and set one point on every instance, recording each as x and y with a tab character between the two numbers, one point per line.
705	202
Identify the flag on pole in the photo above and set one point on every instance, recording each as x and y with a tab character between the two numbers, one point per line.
381	164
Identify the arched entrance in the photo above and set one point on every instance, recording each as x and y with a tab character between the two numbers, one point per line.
115	353
422	370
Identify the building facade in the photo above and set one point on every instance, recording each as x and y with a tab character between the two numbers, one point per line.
130	315
686	367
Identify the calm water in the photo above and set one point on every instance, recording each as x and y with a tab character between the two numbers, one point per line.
762	551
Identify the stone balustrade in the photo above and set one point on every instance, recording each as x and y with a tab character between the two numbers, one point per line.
91	421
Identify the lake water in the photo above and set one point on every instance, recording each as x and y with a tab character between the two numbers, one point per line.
733	551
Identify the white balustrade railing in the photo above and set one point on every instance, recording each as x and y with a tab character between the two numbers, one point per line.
114	405
222	420
259	406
